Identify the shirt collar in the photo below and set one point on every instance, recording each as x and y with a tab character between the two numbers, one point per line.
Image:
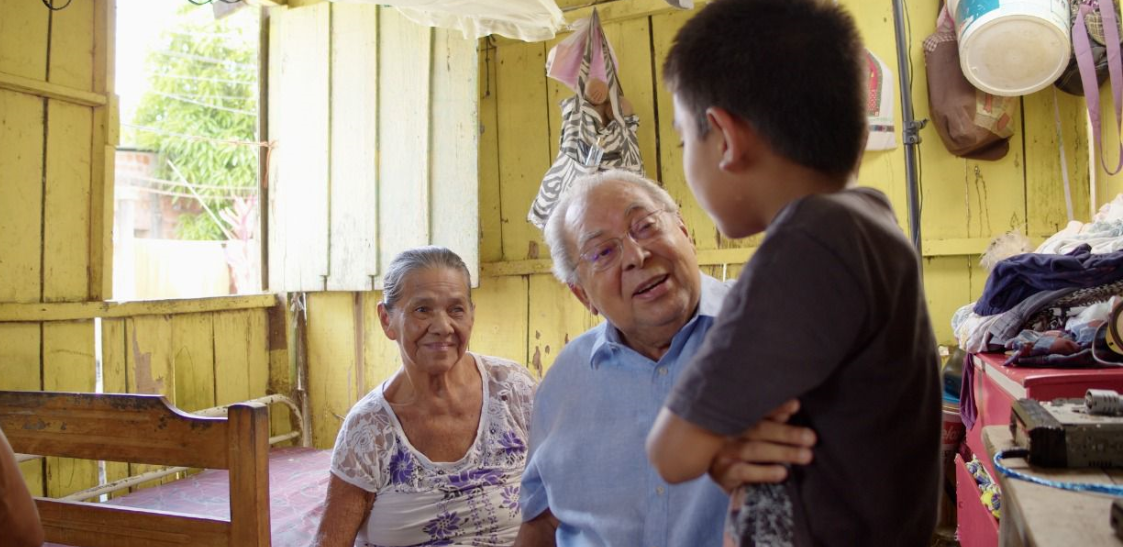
609	341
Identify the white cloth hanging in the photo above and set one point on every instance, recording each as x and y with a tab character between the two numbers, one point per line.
528	20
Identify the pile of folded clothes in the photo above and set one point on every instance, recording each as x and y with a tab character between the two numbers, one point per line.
1049	308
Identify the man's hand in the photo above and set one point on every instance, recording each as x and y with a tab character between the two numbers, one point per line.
758	455
538	532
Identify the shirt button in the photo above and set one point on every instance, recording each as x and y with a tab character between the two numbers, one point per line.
662	371
659	490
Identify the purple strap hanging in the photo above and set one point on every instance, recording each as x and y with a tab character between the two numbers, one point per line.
1083	49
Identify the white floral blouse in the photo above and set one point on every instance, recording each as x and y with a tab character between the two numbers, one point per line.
473	501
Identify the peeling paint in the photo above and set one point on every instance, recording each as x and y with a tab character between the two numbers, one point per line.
144	381
536	361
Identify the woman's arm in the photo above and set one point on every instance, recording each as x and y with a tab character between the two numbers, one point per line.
17	509
345	508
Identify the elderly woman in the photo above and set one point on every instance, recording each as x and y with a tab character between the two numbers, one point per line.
434	455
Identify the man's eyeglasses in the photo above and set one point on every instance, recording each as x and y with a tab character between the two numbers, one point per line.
604	254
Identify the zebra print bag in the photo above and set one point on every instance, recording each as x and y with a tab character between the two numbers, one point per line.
586	145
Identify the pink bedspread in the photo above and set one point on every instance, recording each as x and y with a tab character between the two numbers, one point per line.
298	480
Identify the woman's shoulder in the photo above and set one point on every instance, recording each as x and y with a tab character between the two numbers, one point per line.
371	408
505	371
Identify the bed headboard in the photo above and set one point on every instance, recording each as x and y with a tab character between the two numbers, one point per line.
145	429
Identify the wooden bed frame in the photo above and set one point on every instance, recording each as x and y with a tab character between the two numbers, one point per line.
145	429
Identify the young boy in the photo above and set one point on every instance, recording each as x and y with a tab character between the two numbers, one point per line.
769	101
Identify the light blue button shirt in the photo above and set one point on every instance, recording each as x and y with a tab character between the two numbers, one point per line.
587	462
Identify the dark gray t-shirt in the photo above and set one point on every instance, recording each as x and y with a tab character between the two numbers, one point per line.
831	310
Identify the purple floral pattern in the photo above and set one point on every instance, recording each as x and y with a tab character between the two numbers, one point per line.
442	529
512	443
401	466
472	501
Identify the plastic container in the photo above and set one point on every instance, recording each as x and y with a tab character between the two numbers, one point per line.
1013	47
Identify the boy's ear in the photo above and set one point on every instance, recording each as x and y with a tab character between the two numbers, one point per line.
738	140
584	298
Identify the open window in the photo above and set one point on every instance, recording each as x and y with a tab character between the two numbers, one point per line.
187	178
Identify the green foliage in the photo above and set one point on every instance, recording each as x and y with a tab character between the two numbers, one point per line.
203	82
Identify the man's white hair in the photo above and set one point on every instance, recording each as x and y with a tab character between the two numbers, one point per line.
565	265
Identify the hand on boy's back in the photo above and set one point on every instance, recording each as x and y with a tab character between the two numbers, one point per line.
759	455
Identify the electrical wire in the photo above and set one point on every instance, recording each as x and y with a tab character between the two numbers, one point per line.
203	79
205	59
198	186
51	5
205	105
1109	489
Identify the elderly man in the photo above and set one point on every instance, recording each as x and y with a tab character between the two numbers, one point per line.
618	242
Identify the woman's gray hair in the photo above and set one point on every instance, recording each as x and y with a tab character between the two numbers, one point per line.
565	266
420	258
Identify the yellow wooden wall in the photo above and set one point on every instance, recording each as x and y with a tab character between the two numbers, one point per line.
57	137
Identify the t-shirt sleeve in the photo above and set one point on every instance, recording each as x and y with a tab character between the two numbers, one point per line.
786	326
355	458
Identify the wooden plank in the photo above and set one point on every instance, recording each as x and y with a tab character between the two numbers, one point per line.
354	137
68	365
71	62
20	371
454	160
955	246
381	355
556	317
1038	515
21	195
104	426
947	288
702	229
299	41
74	523
193	361
241	356
23	39
149	346
103	154
631	40
1046	213
249	475
619	10
331	363
41	89
491	227
114	354
66	211
280	376
67	311
404	65
501	326
150	370
524	144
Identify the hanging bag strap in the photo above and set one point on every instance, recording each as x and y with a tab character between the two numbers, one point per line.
1083	49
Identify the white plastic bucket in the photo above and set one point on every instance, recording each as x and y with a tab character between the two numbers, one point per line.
1013	47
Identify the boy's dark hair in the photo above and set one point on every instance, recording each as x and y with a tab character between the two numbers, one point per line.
793	69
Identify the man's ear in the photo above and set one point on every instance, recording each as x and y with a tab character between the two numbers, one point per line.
738	140
384	318
584	298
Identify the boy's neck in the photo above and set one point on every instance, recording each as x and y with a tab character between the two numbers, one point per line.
788	181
